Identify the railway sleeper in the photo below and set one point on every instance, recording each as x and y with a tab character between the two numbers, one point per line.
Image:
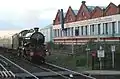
3	62
7	74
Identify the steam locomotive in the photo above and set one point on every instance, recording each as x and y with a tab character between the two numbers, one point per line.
30	45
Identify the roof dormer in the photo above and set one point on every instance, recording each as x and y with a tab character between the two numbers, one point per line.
111	9
83	12
70	15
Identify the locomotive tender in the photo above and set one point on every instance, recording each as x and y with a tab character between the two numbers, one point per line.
30	44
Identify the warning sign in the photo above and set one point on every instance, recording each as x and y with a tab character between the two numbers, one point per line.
112	48
100	53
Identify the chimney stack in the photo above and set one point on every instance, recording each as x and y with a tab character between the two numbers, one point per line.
119	8
83	2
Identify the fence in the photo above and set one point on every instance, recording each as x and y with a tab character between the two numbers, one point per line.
79	50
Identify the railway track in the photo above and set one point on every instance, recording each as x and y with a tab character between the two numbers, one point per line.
32	68
4	73
49	68
13	68
56	69
35	68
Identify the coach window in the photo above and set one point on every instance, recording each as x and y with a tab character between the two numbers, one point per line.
76	31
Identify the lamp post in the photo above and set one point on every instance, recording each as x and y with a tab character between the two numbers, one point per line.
113	55
72	41
100	54
87	59
72	45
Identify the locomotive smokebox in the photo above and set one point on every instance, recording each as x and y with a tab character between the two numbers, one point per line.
36	29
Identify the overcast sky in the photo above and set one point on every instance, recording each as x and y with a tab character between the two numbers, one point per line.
20	14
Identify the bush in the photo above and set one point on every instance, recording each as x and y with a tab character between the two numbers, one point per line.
81	62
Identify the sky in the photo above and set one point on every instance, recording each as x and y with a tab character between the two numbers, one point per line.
21	14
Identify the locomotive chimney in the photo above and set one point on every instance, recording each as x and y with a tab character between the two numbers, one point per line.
36	29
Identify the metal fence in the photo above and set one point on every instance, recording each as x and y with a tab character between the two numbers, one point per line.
90	51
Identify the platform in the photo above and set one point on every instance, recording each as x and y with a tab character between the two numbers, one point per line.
102	72
44	74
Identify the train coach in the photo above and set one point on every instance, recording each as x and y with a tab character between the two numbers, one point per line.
30	45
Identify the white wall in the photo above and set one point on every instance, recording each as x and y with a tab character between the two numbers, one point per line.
96	21
47	31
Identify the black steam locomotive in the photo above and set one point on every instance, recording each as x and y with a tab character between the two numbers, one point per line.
30	45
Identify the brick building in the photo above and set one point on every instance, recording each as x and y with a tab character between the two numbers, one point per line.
88	23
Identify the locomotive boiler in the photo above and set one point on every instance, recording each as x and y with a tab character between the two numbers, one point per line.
30	45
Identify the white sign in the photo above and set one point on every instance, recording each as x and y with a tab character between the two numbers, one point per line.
100	53
87	49
112	48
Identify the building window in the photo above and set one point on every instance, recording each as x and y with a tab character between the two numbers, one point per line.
55	33
113	27
86	32
65	32
92	29
72	31
83	13
106	26
58	33
119	27
98	29
68	31
103	28
81	30
61	33
76	31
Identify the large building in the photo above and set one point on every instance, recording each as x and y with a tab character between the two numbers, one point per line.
89	23
48	33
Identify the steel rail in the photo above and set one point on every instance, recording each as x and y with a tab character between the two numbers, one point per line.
55	72
19	67
71	71
48	70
